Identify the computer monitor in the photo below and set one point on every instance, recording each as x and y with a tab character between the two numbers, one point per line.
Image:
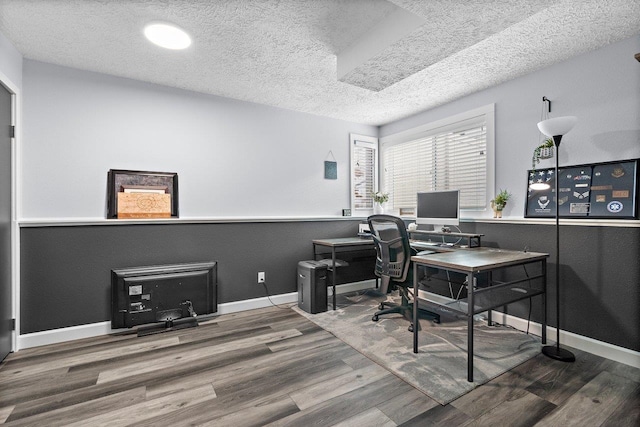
438	208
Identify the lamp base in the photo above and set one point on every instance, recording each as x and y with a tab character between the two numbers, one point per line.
558	353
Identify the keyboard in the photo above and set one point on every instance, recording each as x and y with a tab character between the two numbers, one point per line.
420	244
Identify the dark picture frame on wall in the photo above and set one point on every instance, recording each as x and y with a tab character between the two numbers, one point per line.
119	180
606	190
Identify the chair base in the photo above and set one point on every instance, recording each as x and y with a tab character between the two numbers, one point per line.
406	310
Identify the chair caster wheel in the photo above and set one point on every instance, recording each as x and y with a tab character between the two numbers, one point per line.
375	318
436	321
381	306
410	328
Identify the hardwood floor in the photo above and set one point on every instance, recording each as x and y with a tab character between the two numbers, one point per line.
273	367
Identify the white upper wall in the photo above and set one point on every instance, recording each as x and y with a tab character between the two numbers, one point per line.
241	159
10	63
233	158
601	88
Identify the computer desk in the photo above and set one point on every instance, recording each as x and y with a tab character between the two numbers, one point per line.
341	243
473	261
337	244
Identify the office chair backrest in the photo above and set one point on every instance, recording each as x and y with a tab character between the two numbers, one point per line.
392	246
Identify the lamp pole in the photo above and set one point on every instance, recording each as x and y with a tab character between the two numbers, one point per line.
555	352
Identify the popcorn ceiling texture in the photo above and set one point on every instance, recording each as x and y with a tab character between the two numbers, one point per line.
282	53
449	28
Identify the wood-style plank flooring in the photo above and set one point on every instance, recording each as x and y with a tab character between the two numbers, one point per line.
274	367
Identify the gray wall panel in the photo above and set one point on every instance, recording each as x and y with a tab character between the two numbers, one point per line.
66	282
66	270
599	274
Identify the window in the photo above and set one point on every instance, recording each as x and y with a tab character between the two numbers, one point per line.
447	155
364	173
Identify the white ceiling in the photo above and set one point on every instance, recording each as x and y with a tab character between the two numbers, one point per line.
283	53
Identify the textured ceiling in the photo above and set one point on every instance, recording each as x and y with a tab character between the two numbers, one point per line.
283	53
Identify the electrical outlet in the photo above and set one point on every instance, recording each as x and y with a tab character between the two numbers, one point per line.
260	276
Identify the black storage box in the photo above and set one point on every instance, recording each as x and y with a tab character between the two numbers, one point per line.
312	286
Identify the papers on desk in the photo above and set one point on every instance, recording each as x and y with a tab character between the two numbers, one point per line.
363	228
425	253
419	244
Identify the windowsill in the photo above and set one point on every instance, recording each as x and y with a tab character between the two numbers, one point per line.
70	222
563	221
550	221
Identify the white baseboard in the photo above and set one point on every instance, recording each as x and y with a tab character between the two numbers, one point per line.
599	348
252	304
55	336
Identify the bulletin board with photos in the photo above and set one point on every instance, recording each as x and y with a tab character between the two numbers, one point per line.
599	190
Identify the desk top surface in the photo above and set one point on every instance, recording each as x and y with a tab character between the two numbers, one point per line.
344	241
477	259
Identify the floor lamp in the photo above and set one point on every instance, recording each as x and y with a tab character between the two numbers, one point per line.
555	128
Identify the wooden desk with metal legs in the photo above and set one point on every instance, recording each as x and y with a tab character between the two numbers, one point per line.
472	262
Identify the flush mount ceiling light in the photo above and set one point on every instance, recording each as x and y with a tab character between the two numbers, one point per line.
167	35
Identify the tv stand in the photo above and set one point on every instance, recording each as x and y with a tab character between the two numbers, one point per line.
473	239
171	320
168	325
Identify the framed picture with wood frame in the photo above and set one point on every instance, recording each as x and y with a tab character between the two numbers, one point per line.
141	194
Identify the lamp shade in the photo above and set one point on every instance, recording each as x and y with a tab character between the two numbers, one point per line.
557	125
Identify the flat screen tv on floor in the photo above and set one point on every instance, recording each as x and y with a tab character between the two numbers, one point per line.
162	293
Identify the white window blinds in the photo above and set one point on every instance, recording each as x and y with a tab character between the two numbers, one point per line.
455	158
364	165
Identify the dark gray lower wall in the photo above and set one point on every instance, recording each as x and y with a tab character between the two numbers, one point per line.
65	270
599	277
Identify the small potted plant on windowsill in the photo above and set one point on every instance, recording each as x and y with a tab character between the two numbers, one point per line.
542	151
499	202
379	199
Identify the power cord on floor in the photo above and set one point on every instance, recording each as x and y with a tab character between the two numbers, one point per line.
530	304
462	286
529	316
287	307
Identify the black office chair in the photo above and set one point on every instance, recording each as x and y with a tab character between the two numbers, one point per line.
394	267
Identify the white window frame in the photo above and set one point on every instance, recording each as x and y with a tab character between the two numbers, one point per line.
488	111
369	142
